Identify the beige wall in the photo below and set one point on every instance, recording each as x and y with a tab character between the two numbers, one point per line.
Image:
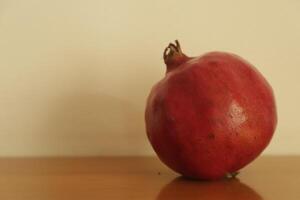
74	75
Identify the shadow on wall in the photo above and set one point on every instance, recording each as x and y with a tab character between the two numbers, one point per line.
94	124
84	121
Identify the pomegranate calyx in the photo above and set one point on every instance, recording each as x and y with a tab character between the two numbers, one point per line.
173	56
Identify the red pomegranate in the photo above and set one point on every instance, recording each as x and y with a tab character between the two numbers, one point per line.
210	115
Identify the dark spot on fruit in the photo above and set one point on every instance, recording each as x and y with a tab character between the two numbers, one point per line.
199	115
213	63
249	154
170	118
209	103
158	173
211	136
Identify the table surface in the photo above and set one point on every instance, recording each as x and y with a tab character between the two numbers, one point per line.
275	177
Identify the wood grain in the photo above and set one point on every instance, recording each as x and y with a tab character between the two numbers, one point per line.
268	178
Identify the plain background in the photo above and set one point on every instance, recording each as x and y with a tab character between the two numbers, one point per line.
75	75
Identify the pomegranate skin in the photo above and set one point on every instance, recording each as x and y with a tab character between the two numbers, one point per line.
210	115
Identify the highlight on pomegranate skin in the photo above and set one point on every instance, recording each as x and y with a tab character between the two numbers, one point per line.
210	115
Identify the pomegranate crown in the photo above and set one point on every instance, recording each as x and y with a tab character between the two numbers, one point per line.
172	49
173	56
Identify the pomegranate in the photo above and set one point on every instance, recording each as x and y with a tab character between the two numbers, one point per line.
210	115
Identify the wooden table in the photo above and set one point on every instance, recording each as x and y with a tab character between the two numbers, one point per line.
121	178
